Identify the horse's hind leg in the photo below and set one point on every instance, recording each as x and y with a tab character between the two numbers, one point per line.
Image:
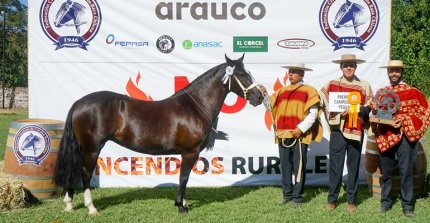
68	197
89	203
90	161
186	166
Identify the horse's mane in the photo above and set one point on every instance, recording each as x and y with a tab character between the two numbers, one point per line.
209	74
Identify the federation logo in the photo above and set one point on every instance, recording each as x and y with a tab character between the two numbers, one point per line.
32	145
165	44
70	23
349	23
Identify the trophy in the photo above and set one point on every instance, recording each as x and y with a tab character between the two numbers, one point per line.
387	102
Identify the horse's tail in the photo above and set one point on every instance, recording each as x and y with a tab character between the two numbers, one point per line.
68	170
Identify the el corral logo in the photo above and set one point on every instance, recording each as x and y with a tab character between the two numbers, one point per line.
349	23
250	44
296	43
32	145
70	23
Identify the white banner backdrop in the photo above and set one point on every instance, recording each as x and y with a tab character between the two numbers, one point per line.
149	49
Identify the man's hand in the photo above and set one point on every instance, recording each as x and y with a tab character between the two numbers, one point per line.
345	112
297	133
262	89
397	123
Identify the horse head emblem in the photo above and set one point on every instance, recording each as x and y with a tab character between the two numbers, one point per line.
29	143
350	14
164	44
70	14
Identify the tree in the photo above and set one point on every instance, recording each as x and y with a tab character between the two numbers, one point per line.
14	47
410	40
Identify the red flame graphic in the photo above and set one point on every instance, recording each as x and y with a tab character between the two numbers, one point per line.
267	116
135	92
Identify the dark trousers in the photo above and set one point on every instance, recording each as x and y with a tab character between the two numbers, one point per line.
339	147
404	152
290	160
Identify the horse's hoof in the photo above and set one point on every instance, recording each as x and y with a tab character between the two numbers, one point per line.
183	209
94	213
70	210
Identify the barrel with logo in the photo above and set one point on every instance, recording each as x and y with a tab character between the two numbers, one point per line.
373	170
31	152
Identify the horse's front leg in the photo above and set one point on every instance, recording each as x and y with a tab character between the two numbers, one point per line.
186	166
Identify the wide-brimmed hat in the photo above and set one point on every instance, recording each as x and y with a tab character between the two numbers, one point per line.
348	58
298	66
395	63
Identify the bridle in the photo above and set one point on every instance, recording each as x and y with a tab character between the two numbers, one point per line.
227	77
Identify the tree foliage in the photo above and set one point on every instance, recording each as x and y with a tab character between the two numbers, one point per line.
14	43
410	40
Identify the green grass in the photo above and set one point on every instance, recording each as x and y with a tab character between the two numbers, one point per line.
5	120
225	204
220	204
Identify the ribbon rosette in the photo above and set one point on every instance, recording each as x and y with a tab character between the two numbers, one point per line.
354	99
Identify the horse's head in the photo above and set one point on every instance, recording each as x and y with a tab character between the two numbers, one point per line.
70	11
242	82
30	141
349	11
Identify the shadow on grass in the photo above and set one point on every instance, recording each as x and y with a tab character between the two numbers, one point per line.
363	193
196	197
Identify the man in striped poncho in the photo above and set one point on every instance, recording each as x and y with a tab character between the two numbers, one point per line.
295	110
346	135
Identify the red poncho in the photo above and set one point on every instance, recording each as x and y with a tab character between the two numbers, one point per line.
414	113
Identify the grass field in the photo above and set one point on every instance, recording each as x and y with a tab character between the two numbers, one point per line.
220	204
5	119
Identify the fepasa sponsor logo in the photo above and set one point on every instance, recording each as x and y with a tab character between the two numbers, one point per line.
296	43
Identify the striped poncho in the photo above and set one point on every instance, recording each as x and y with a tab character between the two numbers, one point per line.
290	106
414	113
335	120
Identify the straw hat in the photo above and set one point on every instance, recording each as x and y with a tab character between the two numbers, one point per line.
395	63
298	66
348	58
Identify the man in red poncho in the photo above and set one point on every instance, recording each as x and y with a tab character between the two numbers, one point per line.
295	111
398	140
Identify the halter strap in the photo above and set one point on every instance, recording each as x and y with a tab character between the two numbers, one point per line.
245	90
227	77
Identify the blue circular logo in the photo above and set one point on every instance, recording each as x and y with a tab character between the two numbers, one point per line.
32	145
70	23
349	23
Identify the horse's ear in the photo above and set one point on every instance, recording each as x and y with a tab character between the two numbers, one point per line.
241	58
228	60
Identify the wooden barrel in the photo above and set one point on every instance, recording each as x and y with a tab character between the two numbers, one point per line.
374	176
31	152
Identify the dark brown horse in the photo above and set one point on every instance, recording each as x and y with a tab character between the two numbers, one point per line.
180	124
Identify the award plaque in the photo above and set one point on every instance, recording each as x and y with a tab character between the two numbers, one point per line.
387	102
